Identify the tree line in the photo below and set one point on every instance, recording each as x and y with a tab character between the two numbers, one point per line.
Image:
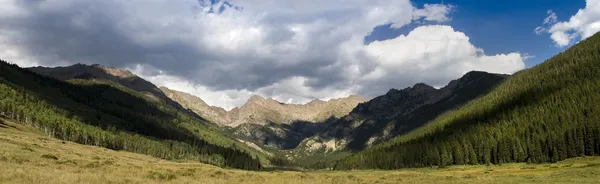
105	116
547	113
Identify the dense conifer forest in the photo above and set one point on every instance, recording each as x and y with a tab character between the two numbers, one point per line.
106	114
547	113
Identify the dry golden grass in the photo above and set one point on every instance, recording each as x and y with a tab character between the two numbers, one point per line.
26	156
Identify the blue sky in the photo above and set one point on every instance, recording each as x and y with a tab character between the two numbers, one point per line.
501	26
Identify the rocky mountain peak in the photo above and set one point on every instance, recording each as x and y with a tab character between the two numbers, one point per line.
115	71
255	98
422	86
261	110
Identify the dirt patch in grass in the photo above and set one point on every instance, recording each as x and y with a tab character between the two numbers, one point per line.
49	156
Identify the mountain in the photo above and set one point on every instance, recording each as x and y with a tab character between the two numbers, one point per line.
259	110
400	111
99	72
268	121
393	114
124	77
546	113
95	107
213	114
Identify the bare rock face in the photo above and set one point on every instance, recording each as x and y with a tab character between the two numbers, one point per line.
262	111
259	110
268	121
213	114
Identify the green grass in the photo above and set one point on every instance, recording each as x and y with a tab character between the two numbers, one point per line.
22	149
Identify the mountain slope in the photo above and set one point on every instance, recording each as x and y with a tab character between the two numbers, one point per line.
543	114
124	77
284	126
400	111
260	110
98	72
105	113
268	121
213	114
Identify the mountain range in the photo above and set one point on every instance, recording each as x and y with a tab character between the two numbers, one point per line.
261	111
546	113
352	123
400	111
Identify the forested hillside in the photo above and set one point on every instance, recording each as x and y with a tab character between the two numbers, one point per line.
105	113
400	111
547	113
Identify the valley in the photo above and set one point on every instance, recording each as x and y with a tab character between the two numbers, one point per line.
540	124
299	91
28	156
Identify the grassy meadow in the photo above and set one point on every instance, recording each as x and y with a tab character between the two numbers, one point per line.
27	156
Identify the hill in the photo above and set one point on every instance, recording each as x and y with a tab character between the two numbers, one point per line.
543	114
97	111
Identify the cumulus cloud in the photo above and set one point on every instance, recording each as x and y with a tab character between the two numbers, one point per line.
224	52
431	54
585	23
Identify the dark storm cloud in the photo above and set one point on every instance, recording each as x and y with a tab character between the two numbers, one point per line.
91	32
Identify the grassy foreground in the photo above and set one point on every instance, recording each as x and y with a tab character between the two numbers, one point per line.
26	156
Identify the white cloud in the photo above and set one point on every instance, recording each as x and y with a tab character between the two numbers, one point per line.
580	26
292	51
552	18
539	30
433	12
434	54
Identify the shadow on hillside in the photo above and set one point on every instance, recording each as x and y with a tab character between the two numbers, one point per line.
421	115
99	105
286	136
520	100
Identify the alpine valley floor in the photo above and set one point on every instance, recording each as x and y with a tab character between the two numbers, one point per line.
27	156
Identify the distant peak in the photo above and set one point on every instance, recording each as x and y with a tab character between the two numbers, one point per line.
477	74
393	90
316	100
421	86
254	98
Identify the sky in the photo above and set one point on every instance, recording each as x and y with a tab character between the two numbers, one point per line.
293	51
